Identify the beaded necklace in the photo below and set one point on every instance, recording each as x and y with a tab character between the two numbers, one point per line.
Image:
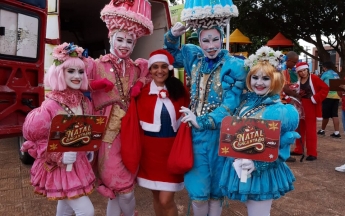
257	105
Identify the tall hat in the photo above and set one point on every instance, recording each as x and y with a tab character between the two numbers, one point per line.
301	66
130	15
161	56
208	13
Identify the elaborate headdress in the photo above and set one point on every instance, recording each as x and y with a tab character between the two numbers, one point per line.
129	15
66	50
208	13
161	56
265	53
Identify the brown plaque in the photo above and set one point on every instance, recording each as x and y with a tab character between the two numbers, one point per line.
76	133
337	84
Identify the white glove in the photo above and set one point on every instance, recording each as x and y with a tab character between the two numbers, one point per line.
189	117
178	29
237	165
69	157
248	165
90	155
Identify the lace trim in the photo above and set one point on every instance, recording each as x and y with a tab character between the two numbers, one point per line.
69	97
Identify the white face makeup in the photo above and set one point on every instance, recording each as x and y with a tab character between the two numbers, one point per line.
123	44
74	77
210	42
260	83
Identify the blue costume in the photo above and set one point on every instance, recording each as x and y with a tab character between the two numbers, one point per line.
216	86
269	180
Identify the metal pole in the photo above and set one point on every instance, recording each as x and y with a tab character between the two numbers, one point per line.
227	35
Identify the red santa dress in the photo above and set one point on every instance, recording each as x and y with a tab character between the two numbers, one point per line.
159	119
313	92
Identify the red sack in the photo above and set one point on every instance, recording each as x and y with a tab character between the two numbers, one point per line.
181	157
130	138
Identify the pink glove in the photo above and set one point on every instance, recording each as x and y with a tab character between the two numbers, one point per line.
136	89
102	84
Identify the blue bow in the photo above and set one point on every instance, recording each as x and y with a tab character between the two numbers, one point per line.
211	62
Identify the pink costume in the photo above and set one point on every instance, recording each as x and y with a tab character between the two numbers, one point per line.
133	17
48	173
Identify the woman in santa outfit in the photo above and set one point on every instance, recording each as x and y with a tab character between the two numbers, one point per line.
160	102
312	92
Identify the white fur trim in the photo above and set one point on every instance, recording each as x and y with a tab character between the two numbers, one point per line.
156	125
150	127
158	58
313	100
158	185
319	118
301	67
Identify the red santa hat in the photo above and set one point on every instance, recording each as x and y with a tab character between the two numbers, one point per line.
161	56
301	66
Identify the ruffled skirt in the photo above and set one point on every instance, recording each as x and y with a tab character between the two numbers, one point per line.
57	183
264	185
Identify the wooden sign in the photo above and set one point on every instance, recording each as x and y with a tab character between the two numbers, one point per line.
76	133
337	85
249	138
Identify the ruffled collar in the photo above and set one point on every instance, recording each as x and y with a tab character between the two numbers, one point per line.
209	64
115	60
69	97
253	98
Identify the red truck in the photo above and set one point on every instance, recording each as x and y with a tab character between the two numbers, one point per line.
29	30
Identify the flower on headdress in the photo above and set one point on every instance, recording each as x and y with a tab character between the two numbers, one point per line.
265	53
63	51
163	93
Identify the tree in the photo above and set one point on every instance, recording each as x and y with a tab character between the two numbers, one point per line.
319	22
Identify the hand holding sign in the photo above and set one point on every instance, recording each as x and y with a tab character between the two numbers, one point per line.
248	139
69	158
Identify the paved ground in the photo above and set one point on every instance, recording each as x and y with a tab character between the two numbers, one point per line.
319	190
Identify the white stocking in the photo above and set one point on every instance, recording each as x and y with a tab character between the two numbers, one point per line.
200	208
259	208
113	208
215	208
63	209
127	203
81	207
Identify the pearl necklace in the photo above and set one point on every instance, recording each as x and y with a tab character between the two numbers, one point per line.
68	110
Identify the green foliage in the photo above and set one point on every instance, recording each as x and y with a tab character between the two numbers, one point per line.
261	20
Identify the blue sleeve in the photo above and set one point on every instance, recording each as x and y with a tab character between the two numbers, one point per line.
184	57
325	77
232	81
289	118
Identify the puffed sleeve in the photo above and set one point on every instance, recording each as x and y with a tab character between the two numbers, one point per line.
35	130
232	80
144	75
288	115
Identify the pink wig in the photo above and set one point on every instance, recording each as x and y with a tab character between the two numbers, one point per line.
55	77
